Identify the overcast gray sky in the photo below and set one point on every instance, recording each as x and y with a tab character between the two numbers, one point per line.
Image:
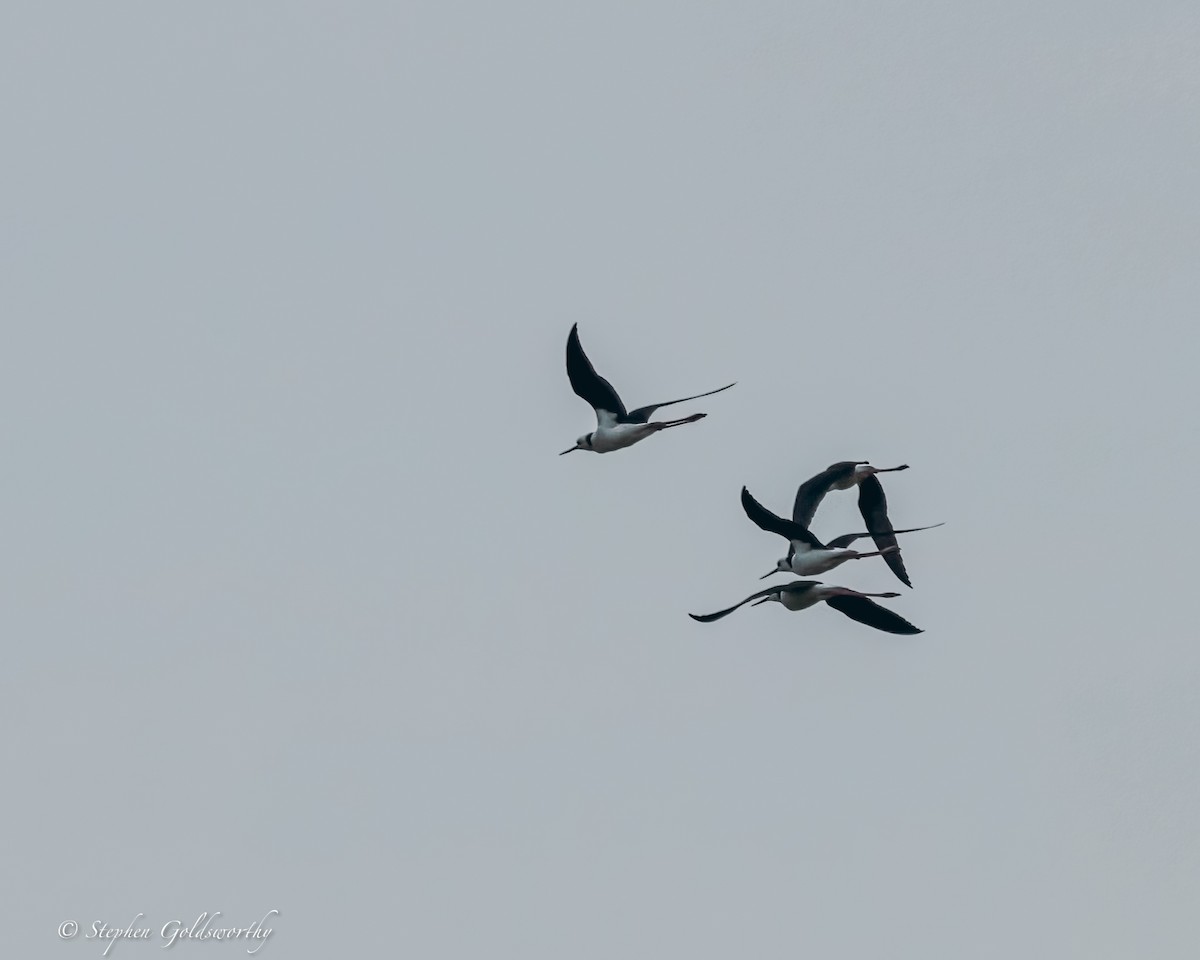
302	611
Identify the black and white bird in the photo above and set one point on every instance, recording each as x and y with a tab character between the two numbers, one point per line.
800	594
615	426
806	554
872	504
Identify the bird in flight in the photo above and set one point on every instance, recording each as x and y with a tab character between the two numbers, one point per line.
800	594
872	504
806	554
615	426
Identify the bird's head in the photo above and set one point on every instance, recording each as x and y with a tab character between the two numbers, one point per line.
583	443
781	566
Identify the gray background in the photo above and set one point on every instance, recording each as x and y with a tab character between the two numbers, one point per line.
302	612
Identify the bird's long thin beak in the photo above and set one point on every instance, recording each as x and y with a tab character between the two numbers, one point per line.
767	574
763	600
568	451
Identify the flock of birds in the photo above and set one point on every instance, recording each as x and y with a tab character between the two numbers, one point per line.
617	427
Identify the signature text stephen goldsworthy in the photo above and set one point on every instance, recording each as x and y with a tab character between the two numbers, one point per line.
204	927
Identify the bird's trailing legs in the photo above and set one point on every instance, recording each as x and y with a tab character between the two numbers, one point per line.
856	556
879	553
848	592
664	424
827	592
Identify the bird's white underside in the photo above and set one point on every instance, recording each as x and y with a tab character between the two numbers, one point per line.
801	601
613	436
807	562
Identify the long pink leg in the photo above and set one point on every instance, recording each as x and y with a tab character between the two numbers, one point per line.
847	592
878	553
664	424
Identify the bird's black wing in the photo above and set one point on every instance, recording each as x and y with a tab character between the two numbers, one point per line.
587	383
710	617
872	504
766	520
812	491
867	611
848	538
643	414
